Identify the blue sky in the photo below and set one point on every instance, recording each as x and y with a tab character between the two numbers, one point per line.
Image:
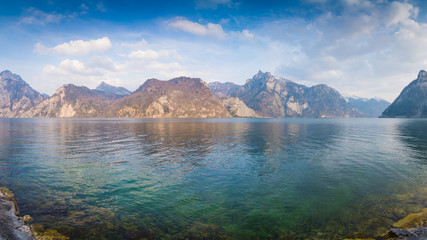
360	47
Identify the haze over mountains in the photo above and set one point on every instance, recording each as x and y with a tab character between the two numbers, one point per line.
371	107
264	95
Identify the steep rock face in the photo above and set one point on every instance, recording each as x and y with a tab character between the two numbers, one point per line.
71	101
238	108
16	96
369	107
274	97
181	97
107	88
412	101
325	101
223	90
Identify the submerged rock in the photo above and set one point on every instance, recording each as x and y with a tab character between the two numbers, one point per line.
412	227
413	220
11	226
50	234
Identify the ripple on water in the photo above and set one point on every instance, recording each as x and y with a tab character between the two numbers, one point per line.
236	178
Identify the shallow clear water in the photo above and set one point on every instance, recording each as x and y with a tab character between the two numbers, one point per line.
215	178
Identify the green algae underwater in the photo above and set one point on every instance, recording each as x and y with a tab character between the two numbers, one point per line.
216	178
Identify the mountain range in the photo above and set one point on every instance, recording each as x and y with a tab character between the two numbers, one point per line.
264	95
270	96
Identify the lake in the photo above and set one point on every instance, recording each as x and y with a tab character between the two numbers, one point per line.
215	178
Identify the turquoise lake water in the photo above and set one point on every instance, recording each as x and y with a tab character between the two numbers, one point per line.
216	178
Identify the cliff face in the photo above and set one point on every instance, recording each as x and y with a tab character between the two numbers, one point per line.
177	98
70	101
324	101
412	101
274	97
16	96
238	108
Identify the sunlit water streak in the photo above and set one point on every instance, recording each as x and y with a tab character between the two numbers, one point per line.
215	178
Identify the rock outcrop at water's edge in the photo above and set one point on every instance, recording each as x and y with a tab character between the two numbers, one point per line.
12	227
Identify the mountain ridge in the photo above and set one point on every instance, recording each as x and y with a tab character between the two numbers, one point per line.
271	96
263	95
412	101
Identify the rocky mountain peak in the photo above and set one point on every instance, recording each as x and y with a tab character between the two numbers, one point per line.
422	76
6	74
16	96
110	89
261	79
265	77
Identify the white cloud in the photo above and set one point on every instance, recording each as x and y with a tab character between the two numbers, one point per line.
150	54
76	47
35	16
367	48
209	30
135	45
164	66
245	34
76	67
398	12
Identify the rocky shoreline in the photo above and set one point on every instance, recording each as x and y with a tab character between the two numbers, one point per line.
11	225
14	227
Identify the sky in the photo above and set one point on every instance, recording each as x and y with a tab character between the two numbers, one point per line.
359	47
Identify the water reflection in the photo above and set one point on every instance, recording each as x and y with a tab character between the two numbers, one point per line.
413	134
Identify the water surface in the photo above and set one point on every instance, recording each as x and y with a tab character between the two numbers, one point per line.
216	178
